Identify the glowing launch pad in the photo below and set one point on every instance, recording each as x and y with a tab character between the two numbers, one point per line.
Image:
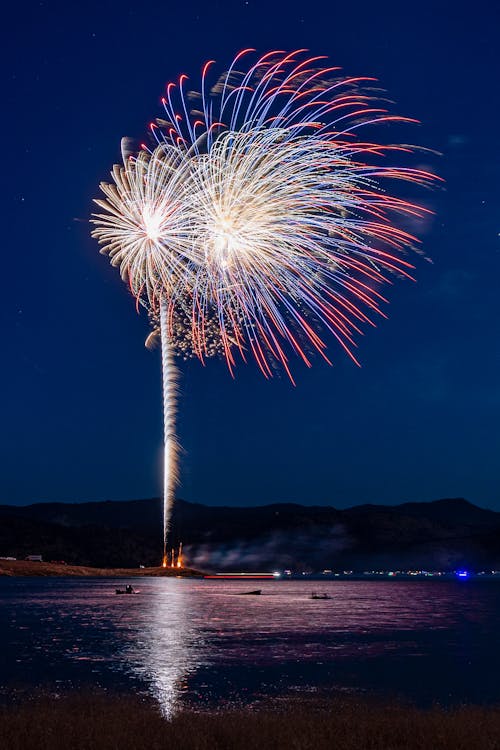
170	561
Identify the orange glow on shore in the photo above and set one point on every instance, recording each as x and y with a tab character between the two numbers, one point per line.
170	561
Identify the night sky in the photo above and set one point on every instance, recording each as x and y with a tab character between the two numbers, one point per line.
81	397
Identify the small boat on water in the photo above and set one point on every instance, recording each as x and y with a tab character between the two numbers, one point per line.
257	592
126	590
314	595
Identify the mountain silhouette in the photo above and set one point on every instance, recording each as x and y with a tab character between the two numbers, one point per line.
441	535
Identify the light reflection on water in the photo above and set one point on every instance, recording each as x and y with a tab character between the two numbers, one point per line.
167	648
200	642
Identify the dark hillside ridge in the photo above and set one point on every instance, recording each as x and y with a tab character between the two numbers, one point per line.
444	534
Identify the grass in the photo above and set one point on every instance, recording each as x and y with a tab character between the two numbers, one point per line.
127	723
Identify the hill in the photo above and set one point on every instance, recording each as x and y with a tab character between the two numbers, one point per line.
444	534
25	568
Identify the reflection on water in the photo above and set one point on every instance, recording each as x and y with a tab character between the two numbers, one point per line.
166	650
201	643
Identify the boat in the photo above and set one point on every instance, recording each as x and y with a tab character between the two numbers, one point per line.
257	592
314	595
127	590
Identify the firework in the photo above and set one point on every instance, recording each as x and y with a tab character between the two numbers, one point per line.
292	235
258	224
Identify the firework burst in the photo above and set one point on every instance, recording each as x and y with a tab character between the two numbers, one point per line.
145	228
258	224
291	233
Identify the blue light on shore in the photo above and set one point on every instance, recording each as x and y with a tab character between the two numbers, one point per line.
462	574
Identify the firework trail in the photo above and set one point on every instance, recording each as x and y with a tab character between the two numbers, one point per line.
170	393
257	225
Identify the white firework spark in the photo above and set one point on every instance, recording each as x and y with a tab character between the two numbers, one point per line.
145	228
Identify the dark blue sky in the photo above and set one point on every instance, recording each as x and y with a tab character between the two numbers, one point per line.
81	405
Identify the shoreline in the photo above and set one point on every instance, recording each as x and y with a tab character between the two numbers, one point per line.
26	568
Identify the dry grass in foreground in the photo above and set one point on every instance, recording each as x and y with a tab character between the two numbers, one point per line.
106	723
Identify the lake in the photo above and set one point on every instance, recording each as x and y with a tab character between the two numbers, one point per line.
199	643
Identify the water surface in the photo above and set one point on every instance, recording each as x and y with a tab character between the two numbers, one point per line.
199	643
